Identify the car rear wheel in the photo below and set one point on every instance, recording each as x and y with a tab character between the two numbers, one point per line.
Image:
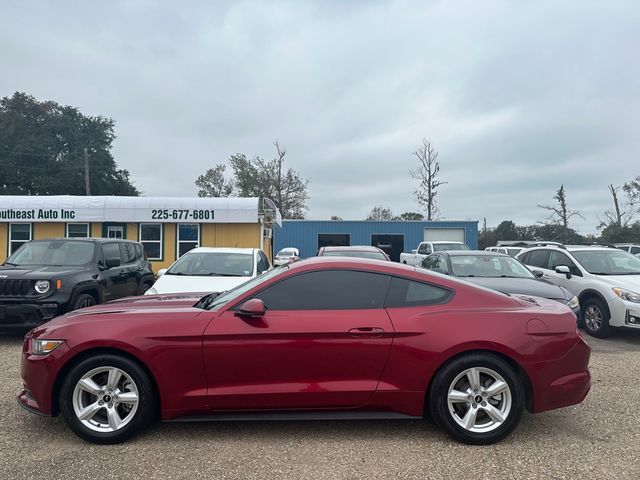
595	318
477	399
106	399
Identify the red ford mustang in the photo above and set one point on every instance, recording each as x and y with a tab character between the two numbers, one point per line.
322	338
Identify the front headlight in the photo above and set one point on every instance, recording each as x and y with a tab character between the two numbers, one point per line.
627	295
151	291
573	303
41	346
42	286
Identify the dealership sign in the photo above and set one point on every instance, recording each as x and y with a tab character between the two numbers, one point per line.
128	209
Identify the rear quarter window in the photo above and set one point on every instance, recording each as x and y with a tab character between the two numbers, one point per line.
408	293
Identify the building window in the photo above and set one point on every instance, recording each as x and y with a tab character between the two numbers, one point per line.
188	237
334	240
77	230
151	238
115	231
19	234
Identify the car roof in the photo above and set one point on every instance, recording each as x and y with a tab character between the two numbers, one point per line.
439	242
86	239
472	253
354	248
222	250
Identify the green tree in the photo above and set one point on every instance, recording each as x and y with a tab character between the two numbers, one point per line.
260	178
507	230
213	183
380	213
42	150
410	217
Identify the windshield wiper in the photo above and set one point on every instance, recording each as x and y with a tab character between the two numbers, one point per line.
205	301
9	263
216	274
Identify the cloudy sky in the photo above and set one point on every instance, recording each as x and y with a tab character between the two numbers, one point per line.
518	97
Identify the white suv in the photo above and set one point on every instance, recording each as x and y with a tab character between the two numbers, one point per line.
605	280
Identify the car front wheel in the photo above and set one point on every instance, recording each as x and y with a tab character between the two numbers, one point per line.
106	399
595	318
477	399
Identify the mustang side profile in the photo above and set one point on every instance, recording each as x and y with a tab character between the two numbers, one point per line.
320	338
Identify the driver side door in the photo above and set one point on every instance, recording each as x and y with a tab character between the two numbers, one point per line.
323	342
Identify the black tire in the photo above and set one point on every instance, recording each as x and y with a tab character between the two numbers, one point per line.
83	300
438	405
146	406
144	286
597	307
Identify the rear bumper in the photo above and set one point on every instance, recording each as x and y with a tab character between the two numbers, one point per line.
562	382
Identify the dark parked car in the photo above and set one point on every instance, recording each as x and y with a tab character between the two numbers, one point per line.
46	278
499	272
320	338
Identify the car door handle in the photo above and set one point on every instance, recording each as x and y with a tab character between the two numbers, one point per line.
366	332
123	273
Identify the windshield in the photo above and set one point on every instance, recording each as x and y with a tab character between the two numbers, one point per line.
213	264
514	251
608	262
355	253
232	294
441	247
53	253
488	266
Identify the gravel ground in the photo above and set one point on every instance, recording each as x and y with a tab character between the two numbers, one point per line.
599	439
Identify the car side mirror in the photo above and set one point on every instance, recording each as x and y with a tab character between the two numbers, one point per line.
564	269
253	308
112	262
538	273
161	272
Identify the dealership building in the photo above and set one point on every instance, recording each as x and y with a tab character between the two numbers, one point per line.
393	237
167	227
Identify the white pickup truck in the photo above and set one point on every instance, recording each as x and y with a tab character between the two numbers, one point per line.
427	248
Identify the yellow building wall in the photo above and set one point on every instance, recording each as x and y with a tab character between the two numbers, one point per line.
211	235
48	230
4	241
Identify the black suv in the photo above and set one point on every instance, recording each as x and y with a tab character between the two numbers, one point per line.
46	278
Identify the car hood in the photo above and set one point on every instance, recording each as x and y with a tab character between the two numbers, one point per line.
129	309
632	282
523	286
36	272
180	284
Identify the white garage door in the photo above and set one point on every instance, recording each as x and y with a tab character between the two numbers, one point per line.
444	234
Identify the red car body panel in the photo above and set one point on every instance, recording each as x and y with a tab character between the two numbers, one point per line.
377	359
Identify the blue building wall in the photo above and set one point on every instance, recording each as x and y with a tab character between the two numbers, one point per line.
303	234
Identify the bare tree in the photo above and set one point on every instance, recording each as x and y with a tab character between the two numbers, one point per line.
619	216
560	213
632	189
427	174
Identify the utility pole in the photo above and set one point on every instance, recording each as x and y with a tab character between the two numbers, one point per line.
87	187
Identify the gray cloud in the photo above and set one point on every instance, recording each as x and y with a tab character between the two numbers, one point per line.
518	98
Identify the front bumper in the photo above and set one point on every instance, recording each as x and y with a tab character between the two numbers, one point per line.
562	382
622	313
27	315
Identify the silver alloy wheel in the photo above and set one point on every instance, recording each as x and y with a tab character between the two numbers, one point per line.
593	318
479	400
105	399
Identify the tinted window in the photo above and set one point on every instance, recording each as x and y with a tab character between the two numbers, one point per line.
327	290
424	249
524	258
263	263
538	258
54	253
558	258
407	293
128	252
110	250
635	250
